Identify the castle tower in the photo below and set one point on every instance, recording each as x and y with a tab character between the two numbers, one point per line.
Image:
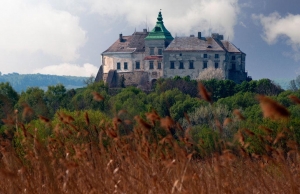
155	43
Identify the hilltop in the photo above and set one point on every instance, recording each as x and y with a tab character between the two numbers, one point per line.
20	82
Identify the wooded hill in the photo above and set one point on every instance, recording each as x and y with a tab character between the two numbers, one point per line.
20	82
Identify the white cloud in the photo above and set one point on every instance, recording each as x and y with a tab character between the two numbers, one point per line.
275	27
180	17
31	27
69	69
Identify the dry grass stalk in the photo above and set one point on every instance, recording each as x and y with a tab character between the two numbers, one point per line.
44	119
203	92
27	110
238	114
272	109
227	121
167	122
87	119
97	96
295	99
109	162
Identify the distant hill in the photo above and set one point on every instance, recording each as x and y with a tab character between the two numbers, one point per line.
20	82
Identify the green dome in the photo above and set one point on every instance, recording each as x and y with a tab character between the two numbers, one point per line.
159	32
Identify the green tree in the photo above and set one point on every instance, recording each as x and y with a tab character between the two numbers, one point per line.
33	97
239	100
84	99
185	85
55	97
7	91
131	99
180	107
268	87
162	102
8	98
220	88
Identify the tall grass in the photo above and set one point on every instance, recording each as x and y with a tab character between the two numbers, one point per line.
152	155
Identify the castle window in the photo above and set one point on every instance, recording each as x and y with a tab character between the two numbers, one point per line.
118	65
233	58
216	56
233	66
137	65
204	65
151	66
216	65
172	65
151	51
191	65
205	56
181	65
125	65
159	65
159	51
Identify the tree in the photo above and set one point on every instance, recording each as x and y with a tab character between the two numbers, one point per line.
8	99
131	99
295	84
220	88
185	85
292	85
212	73
297	80
82	99
7	90
268	87
89	80
34	98
55	97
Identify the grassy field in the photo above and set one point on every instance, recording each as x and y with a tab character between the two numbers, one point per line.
81	153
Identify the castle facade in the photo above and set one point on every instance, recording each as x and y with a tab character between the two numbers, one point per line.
143	57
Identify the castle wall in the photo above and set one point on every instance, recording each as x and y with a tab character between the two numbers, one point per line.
235	67
110	62
198	63
131	78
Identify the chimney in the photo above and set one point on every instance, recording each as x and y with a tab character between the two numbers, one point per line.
120	37
144	30
199	35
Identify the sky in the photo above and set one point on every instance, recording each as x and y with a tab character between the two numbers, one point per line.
67	37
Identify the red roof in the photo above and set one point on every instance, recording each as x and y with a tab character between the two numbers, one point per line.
153	58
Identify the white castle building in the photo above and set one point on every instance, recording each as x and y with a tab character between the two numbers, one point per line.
143	57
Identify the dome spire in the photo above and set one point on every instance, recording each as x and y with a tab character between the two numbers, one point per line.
159	17
159	31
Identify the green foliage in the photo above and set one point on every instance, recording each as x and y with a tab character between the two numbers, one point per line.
7	91
205	138
239	100
180	107
220	88
267	87
185	85
131	99
246	86
207	115
55	97
83	99
34	98
8	98
162	102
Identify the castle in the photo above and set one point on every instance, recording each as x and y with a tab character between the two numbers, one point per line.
143	57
